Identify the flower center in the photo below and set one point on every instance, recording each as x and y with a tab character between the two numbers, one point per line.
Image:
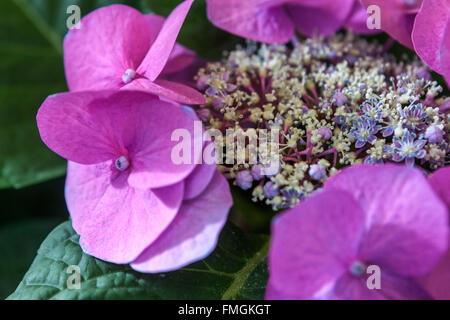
128	76
358	269
122	163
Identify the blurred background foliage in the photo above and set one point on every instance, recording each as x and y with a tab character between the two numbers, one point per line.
31	68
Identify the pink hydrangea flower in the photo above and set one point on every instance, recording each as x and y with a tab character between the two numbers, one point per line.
275	21
437	282
387	216
128	200
431	35
397	17
117	47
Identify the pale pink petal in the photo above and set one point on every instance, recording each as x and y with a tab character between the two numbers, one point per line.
111	40
66	126
429	32
405	222
156	58
314	244
167	89
193	234
180	57
260	20
397	18
357	21
117	222
323	17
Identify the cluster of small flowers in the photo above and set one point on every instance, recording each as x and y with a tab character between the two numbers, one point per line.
337	101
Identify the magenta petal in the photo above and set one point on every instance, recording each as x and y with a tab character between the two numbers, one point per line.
260	20
323	17
156	58
437	282
117	222
111	40
429	32
440	182
66	126
313	244
198	180
193	234
397	19
357	21
180	57
406	223
445	51
167	89
392	288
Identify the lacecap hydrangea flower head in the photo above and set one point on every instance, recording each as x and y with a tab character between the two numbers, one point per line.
370	216
120	48
336	102
128	200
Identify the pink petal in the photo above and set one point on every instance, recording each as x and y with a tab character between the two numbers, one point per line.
397	19
406	224
111	40
66	126
117	222
429	31
198	180
440	182
260	20
167	89
180	57
357	21
314	244
193	234
149	142
156	58
322	17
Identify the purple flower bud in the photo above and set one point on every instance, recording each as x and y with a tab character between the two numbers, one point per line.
325	105
317	171
211	92
201	82
257	172
270	190
433	134
423	73
217	104
325	133
339	99
204	114
244	179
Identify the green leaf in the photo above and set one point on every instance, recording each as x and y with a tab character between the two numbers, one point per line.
237	269
18	244
31	68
